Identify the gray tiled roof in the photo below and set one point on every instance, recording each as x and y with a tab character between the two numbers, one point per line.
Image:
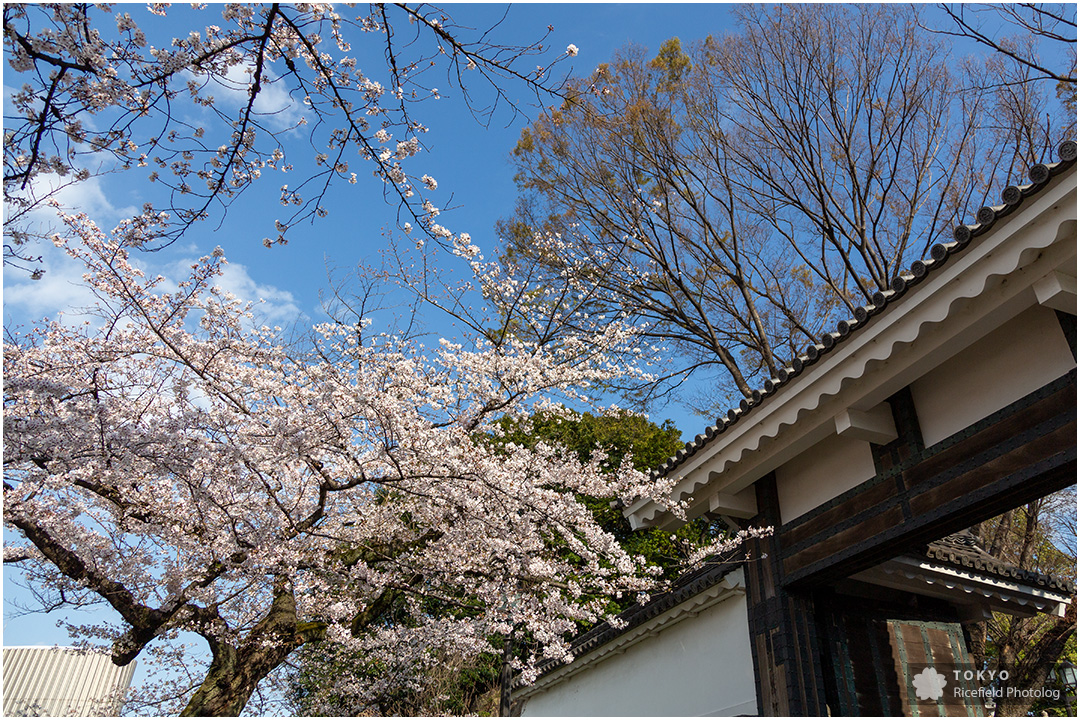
1012	198
961	550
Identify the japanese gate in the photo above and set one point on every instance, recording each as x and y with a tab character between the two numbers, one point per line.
948	400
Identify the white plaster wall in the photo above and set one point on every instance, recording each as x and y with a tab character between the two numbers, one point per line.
700	666
830	467
1015	359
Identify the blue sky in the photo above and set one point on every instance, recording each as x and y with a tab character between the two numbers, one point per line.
469	160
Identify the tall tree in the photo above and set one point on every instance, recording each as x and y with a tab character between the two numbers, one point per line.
196	474
736	198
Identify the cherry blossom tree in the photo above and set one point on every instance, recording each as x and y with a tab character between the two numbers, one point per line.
195	473
208	113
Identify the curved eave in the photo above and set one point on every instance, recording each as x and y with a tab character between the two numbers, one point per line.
963	295
965	586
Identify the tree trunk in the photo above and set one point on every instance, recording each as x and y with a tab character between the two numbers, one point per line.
976	638
228	684
236	670
1040	659
1031	526
506	677
1001	533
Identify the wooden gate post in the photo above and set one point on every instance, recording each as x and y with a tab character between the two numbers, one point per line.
783	636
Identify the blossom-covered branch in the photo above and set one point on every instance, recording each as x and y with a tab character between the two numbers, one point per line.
207	115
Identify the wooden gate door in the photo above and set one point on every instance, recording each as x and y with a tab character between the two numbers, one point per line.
928	650
873	662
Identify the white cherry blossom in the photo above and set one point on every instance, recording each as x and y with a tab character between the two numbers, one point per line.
121	98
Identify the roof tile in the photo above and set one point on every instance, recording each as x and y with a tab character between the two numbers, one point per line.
962	550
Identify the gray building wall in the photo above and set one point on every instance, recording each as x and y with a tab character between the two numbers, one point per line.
58	681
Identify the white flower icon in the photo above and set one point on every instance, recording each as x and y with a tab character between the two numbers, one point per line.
929	684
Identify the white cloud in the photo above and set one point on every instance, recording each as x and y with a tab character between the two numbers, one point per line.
62	289
87	196
273	306
274	105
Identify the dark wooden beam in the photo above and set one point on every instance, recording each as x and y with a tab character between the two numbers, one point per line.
1068	327
1020	453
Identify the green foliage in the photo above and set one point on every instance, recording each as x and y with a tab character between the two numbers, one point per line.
618	435
671	62
452	685
621	435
